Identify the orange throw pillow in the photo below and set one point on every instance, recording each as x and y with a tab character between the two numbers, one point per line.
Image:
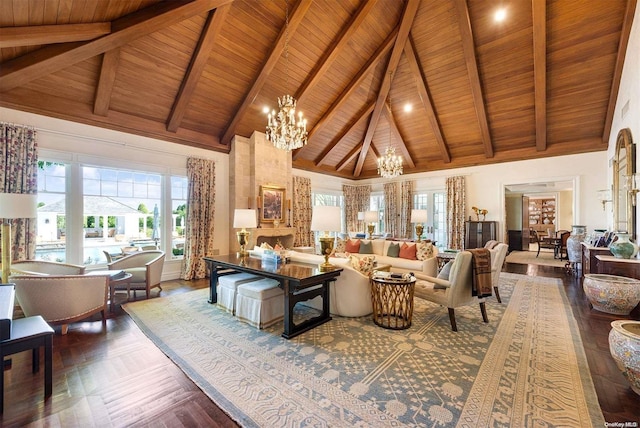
408	251
352	246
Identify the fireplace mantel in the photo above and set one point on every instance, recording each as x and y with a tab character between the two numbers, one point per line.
271	235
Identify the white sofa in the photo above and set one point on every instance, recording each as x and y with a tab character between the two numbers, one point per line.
380	248
349	295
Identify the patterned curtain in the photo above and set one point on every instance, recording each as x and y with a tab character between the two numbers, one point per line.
456	209
19	174
302	212
391	209
356	198
201	199
406	203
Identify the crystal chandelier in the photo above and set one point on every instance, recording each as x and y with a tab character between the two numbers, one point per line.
390	165
283	129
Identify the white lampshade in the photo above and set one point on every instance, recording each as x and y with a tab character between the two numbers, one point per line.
18	205
371	216
360	215
326	219
243	218
418	216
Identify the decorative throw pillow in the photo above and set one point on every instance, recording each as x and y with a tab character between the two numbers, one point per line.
424	250
352	246
408	252
444	272
366	247
364	264
394	250
340	246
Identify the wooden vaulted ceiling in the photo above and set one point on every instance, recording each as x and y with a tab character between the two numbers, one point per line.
541	83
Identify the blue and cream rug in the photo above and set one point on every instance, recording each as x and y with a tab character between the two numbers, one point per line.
525	368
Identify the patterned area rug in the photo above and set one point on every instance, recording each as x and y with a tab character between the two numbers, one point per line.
526	367
529	258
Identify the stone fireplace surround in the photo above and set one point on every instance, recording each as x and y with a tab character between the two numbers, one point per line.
254	162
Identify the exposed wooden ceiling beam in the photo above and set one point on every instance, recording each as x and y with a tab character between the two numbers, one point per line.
406	22
398	137
337	141
349	157
538	8
353	86
107	78
474	77
199	59
11	37
335	49
617	72
50	59
425	97
295	18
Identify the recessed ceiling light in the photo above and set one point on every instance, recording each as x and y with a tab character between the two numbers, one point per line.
500	15
266	110
408	108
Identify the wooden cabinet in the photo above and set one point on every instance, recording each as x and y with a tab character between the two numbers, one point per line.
515	240
589	253
614	266
479	232
542	214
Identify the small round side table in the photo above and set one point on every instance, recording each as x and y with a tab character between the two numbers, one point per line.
392	301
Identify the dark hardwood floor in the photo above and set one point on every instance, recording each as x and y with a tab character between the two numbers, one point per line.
112	375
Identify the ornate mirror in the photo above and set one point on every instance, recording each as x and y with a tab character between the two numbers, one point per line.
624	168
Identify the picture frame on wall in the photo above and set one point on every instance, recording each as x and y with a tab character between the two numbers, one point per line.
272	200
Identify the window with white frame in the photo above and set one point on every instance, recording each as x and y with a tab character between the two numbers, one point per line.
179	188
51	224
436	227
377	204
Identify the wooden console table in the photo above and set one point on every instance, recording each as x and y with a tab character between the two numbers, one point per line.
614	266
300	282
589	253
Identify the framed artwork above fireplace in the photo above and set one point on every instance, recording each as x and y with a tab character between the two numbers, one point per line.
272	199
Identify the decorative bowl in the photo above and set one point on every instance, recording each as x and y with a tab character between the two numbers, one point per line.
624	345
611	293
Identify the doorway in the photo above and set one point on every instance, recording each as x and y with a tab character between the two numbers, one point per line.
546	206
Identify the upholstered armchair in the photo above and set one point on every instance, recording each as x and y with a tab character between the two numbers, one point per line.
453	292
62	299
43	267
498	254
146	268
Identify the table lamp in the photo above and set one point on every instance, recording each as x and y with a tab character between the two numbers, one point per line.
371	218
13	205
243	218
418	217
327	219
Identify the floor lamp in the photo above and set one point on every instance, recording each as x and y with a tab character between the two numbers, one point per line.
13	205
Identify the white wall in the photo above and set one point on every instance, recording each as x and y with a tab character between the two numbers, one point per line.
71	142
627	111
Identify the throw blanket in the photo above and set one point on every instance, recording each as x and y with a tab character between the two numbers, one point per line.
481	272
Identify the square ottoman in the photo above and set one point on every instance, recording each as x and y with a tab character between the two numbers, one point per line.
260	303
227	286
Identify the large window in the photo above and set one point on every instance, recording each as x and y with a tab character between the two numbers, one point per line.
51	225
377	204
436	226
107	213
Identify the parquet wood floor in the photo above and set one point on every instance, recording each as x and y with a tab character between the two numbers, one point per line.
112	375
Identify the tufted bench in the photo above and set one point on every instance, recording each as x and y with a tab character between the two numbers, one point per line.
260	303
227	289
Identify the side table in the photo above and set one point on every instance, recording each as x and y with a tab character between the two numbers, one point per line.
30	333
392	301
118	280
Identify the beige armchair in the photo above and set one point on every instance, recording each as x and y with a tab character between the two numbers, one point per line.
43	267
62	299
453	292
146	268
498	254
